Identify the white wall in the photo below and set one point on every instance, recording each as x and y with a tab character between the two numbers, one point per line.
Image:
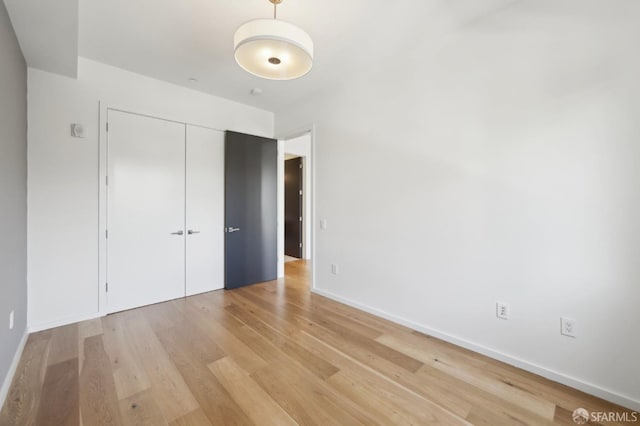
63	174
497	163
13	201
301	146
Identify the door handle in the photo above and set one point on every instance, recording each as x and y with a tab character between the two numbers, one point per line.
178	233
232	229
191	231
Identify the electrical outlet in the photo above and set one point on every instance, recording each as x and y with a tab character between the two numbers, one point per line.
323	224
334	269
11	320
567	327
502	310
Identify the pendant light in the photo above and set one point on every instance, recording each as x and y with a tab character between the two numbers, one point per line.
273	49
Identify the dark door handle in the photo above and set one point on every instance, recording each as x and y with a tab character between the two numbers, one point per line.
178	233
191	232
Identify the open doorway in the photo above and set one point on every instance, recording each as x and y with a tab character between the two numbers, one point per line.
296	200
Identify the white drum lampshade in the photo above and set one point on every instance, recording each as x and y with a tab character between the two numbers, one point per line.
273	49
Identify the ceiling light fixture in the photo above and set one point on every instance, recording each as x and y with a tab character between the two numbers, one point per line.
273	49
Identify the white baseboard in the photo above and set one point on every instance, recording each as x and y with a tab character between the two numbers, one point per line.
581	385
63	321
6	385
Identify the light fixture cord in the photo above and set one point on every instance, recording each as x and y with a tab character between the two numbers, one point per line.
275	5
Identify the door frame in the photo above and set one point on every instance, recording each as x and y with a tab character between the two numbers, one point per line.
281	137
104	107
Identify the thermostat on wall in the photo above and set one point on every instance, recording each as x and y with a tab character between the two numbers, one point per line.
77	130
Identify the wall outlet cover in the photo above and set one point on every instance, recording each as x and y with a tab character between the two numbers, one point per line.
502	310
568	327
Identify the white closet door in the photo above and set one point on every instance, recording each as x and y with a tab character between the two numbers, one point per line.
205	210
145	212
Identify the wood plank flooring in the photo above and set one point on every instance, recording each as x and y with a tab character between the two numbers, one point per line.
270	354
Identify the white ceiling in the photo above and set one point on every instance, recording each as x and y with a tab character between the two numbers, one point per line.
48	33
174	40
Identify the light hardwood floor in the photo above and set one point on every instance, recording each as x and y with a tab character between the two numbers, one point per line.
269	354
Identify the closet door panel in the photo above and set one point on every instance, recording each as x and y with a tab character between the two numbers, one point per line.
205	210
145	210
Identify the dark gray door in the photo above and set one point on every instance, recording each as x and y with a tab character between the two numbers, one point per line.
293	207
251	246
